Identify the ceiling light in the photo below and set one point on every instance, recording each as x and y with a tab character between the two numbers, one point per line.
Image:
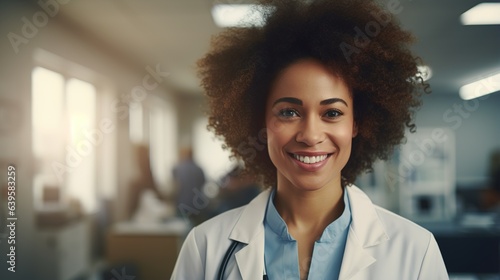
425	72
238	15
482	87
484	13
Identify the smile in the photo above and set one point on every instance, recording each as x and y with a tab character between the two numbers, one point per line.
310	159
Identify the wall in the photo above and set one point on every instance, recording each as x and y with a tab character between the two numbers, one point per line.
476	128
190	109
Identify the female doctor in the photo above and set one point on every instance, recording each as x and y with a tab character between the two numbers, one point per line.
308	102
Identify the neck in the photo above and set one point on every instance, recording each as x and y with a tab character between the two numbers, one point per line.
309	210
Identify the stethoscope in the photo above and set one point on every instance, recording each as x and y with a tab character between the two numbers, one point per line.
225	260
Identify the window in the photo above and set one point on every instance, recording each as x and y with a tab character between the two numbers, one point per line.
47	113
64	139
162	141
208	152
81	115
152	123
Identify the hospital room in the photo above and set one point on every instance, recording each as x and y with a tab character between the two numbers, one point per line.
122	137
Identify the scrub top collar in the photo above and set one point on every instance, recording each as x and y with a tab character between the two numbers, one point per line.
329	235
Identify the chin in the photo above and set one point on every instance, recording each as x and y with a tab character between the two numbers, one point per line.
313	183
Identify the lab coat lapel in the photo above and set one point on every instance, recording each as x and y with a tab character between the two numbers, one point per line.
249	230
356	258
366	230
250	259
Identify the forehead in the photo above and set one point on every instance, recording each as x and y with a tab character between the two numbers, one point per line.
308	79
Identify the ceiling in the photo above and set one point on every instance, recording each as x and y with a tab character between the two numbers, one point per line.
175	33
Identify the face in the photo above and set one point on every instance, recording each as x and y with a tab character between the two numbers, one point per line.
310	126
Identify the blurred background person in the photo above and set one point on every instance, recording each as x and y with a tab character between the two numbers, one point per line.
189	181
237	189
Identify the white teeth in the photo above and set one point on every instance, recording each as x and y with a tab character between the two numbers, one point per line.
310	160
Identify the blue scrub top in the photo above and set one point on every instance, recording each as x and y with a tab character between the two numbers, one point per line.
281	252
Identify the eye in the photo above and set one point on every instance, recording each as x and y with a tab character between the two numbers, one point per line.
288	113
332	114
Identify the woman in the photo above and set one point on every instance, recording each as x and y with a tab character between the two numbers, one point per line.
308	102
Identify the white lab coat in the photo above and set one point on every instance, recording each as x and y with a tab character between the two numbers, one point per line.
380	245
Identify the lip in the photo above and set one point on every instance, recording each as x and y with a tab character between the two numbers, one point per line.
310	154
310	167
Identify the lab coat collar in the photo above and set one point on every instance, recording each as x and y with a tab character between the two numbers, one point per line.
366	224
251	219
366	230
249	229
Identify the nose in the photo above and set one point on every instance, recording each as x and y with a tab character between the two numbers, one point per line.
311	132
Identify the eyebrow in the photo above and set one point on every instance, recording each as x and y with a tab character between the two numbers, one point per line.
333	100
299	102
288	100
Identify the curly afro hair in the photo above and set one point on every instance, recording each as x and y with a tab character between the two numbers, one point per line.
356	39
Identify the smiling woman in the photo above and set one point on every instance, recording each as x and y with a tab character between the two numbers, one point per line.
309	116
327	117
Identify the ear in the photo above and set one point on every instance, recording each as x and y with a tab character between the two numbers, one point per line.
354	130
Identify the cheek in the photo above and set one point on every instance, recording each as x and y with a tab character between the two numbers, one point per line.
277	140
273	125
273	145
276	130
273	139
343	135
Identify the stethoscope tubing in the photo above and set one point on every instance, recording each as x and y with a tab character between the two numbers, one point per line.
225	261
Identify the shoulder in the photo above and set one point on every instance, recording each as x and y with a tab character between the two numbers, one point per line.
412	246
392	227
219	224
392	239
204	247
398	227
205	244
232	223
